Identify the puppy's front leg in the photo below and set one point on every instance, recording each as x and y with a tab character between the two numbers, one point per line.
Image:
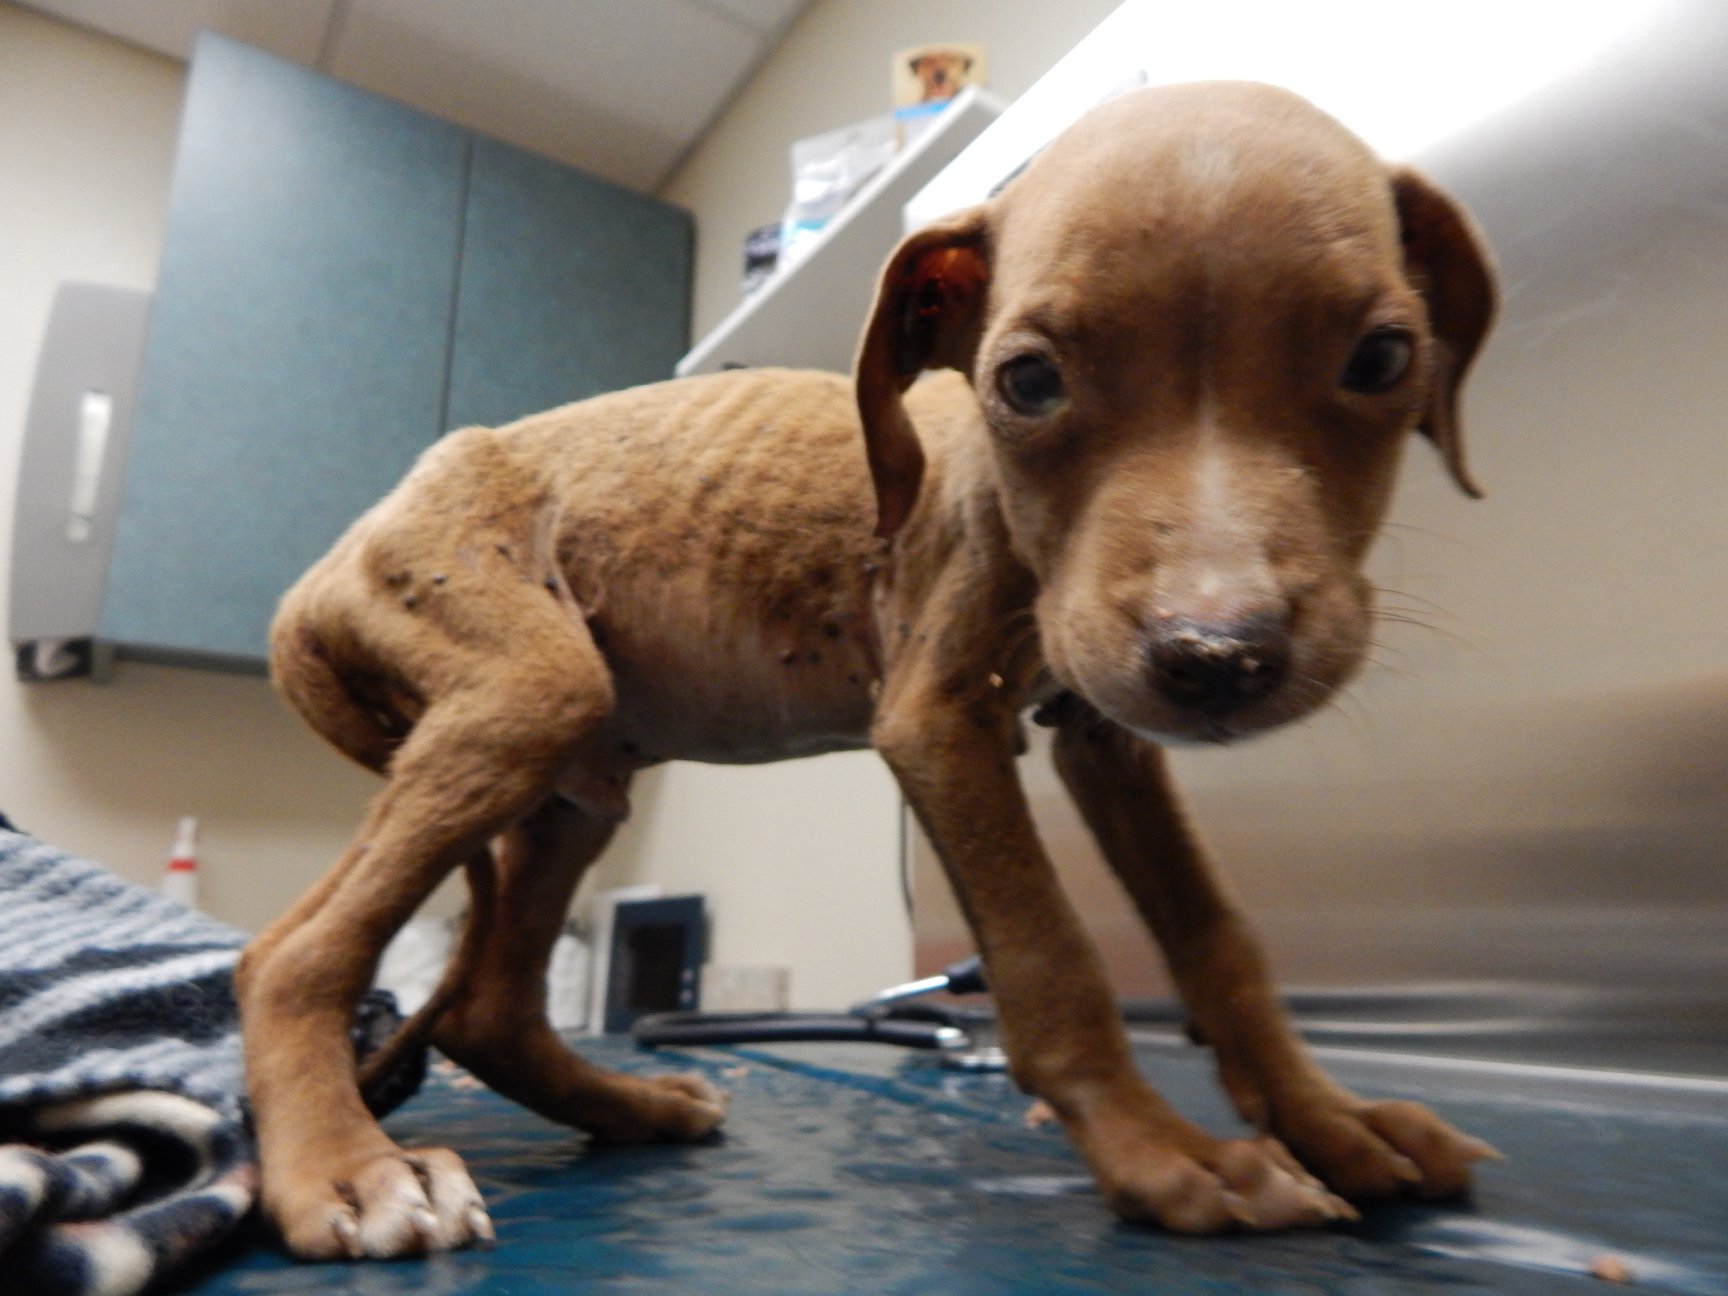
952	751
1361	1149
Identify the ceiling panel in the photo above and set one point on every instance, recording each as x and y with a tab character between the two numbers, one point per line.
618	88
622	88
770	17
293	30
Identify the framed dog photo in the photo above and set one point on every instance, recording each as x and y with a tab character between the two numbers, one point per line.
935	73
926	77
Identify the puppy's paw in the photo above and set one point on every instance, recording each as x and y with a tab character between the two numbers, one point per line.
403	1203
677	1108
1372	1150
1252	1184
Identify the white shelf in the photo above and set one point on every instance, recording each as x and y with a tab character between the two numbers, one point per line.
809	314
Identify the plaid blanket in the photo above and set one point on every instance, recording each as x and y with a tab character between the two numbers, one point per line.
125	1150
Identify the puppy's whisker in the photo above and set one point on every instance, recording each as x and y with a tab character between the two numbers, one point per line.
1397	530
1419	623
1350	710
1386	591
1380	666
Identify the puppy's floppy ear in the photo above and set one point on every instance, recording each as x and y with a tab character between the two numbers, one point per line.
928	314
1449	264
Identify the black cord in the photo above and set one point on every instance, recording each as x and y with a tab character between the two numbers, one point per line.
769	1028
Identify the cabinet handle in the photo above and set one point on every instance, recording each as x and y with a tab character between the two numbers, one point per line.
95	418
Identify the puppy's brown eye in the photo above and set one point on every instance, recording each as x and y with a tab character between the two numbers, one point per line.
1380	360
1031	385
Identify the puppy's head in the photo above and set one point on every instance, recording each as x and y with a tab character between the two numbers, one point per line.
1200	327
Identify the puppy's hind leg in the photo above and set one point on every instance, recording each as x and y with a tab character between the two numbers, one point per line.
485	753
497	1025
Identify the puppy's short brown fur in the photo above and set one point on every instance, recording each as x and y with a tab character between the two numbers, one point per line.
1187	345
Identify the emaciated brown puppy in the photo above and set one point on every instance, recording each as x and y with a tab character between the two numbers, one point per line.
1190	342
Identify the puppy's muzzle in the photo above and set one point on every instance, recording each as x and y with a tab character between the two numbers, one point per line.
1218	668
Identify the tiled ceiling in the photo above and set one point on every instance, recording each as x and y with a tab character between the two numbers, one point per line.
622	88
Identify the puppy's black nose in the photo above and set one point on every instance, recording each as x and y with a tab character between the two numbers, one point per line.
1218	667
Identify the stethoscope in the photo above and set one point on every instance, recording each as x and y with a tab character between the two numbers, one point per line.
961	1037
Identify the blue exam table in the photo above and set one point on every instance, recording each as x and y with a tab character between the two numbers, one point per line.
856	1168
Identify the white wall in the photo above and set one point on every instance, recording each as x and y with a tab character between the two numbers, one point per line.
87	131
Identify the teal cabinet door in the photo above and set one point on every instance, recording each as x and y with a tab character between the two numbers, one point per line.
344	279
297	347
569	286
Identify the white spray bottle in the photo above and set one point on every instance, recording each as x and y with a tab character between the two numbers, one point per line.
180	882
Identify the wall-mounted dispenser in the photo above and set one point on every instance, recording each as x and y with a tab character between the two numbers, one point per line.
70	474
